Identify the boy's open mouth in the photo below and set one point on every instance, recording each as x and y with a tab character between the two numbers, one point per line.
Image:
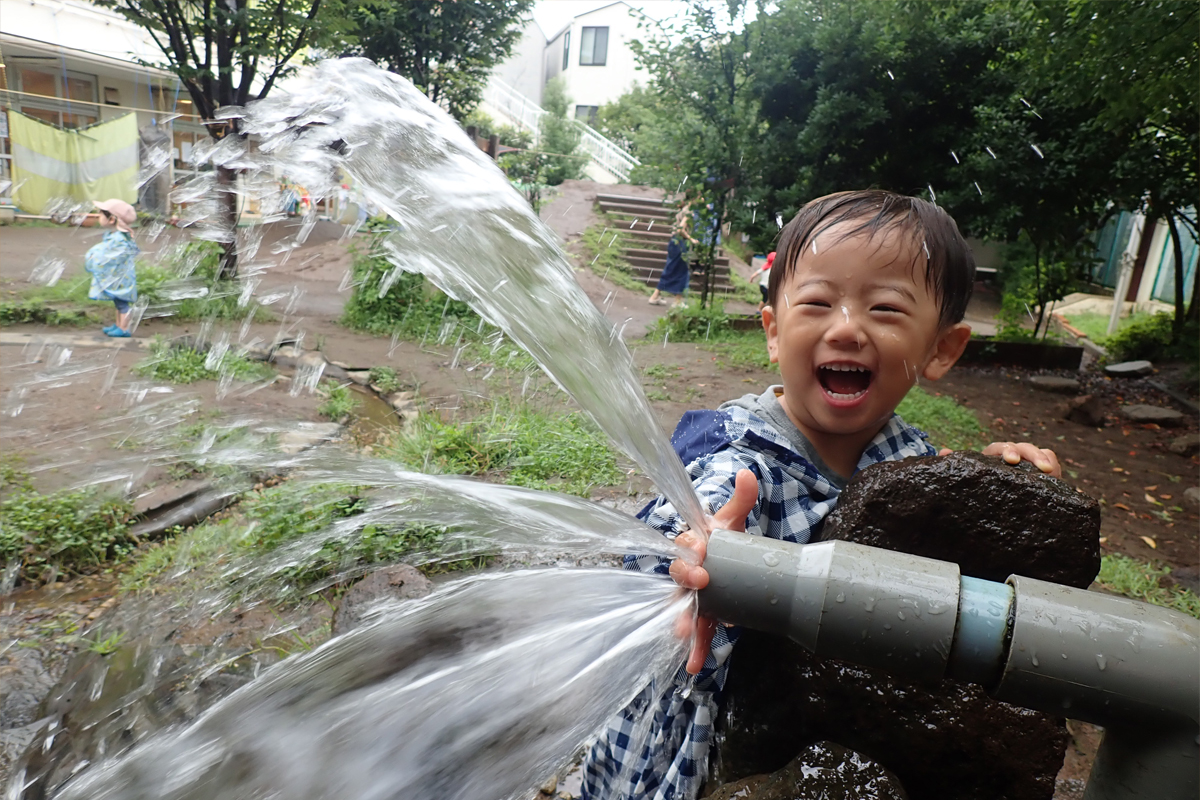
844	381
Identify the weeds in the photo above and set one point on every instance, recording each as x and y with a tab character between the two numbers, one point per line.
106	646
178	364
604	245
385	380
947	423
660	372
272	518
521	445
63	533
21	313
340	402
1137	579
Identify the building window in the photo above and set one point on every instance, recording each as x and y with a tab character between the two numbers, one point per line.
586	114
593	47
566	49
54	88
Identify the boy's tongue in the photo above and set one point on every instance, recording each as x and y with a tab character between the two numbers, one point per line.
840	382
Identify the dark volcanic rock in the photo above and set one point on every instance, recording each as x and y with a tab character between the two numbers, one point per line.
990	518
949	740
822	770
945	740
400	582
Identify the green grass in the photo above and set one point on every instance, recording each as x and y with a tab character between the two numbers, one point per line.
711	329
1137	579
177	364
659	371
340	403
603	249
947	423
411	308
514	443
267	520
1095	325
62	533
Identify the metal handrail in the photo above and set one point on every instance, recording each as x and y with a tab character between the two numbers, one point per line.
528	115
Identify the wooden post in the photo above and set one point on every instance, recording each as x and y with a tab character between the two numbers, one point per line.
493	147
473	132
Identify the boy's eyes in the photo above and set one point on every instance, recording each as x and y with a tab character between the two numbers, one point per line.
887	308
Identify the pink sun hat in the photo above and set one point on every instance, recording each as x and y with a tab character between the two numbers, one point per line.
122	212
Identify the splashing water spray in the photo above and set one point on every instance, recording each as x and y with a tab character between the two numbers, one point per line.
493	682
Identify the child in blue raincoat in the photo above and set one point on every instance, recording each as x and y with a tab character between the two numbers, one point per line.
111	263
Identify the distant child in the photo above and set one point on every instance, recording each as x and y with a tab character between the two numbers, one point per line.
764	279
111	263
867	295
676	273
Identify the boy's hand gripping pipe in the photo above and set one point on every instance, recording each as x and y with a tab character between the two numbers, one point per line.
1128	666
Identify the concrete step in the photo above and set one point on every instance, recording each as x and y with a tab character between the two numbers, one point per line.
644	213
661	253
650	275
624	199
660	261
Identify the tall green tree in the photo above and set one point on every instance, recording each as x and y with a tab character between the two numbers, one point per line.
447	49
535	168
1136	63
229	52
706	116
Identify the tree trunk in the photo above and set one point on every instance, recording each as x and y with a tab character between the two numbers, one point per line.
1177	252
227	210
1139	265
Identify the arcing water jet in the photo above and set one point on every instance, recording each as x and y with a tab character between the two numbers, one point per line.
1129	666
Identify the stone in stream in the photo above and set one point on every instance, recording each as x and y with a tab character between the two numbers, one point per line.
946	739
1166	417
1191	497
360	376
1186	445
822	770
1053	383
308	434
24	681
1085	410
1130	369
401	582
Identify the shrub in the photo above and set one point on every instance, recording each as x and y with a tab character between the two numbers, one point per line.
1150	338
39	313
411	307
711	329
61	533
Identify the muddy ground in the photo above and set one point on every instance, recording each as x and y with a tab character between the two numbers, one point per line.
70	426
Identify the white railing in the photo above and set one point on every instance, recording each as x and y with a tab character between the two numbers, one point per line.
527	115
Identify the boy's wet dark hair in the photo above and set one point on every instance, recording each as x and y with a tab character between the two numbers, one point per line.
950	274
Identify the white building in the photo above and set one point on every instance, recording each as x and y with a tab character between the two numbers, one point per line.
591	54
590	50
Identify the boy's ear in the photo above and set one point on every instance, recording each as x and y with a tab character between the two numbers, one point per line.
949	346
772	331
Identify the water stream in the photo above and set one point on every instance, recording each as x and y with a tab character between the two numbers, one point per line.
489	685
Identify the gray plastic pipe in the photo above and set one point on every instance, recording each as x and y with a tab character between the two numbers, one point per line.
1129	666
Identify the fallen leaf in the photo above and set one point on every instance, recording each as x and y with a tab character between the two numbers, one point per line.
1165	496
1153	545
1152	426
1015	403
1122	506
1133	452
1151	488
1118	469
1150	499
1103	539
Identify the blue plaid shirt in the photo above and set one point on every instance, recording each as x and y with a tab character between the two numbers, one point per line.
658	746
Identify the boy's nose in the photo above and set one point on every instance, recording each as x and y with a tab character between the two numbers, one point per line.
845	328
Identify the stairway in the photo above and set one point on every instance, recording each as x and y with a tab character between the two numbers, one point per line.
651	230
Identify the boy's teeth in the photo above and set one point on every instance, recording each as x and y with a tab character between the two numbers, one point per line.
845	368
840	396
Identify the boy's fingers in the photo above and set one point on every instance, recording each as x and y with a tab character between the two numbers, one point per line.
687	575
1015	452
705	628
732	516
945	451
